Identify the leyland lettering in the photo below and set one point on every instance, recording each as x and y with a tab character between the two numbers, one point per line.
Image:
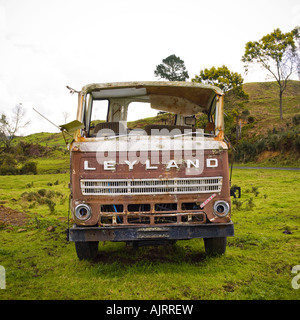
154	183
111	165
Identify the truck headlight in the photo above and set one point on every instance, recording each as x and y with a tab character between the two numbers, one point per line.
221	208
83	212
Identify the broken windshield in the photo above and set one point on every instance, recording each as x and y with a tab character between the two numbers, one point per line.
118	117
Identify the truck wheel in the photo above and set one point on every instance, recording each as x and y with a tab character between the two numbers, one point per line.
215	246
86	250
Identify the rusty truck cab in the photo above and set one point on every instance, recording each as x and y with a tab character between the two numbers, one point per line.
155	183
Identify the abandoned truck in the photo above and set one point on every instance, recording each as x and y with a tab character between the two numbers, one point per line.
158	182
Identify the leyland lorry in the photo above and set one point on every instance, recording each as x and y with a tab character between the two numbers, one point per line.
158	182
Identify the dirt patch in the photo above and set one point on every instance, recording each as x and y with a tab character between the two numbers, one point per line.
267	155
12	217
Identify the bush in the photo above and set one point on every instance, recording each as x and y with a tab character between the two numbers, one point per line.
251	119
29	168
297	143
42	192
8	165
30	149
260	146
7	169
51	205
296	119
274	143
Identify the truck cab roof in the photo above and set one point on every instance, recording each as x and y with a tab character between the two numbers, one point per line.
180	97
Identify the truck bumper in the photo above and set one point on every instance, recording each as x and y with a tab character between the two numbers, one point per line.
137	233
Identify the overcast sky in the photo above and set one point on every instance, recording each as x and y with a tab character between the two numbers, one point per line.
48	44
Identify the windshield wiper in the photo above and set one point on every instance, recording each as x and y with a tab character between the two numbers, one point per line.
195	132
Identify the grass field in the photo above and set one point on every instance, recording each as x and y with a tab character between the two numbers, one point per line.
40	264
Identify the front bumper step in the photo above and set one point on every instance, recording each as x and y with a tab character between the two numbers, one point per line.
138	233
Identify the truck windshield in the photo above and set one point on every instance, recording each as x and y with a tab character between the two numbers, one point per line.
118	117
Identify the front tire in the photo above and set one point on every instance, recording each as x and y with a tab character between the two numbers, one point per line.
86	250
215	246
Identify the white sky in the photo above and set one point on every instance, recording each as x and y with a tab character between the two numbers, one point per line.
46	45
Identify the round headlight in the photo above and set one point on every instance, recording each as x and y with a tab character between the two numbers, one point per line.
221	208
83	212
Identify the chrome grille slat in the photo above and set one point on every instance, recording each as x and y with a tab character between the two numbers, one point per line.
150	186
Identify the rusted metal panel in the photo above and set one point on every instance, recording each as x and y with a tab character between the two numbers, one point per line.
121	172
196	92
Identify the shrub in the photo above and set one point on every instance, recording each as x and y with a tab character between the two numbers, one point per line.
251	119
296	119
29	168
50	204
30	149
250	204
255	191
273	143
8	165
238	204
246	151
297	143
42	192
245	113
8	169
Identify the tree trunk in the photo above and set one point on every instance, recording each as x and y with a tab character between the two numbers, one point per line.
280	103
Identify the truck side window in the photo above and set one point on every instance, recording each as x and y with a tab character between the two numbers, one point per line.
99	109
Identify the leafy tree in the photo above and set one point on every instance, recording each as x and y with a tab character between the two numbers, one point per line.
172	68
232	85
278	53
230	82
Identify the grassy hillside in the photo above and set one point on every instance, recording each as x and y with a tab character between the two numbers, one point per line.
265	139
264	106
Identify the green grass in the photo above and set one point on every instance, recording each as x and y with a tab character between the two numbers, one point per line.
59	164
257	265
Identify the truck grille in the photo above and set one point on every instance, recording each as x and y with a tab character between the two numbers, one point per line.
150	186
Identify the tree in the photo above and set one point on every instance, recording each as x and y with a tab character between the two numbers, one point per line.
172	69
230	82
66	115
232	85
9	128
278	53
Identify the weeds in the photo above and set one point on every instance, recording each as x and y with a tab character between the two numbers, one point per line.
254	190
250	204
29	185
238	204
42	197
